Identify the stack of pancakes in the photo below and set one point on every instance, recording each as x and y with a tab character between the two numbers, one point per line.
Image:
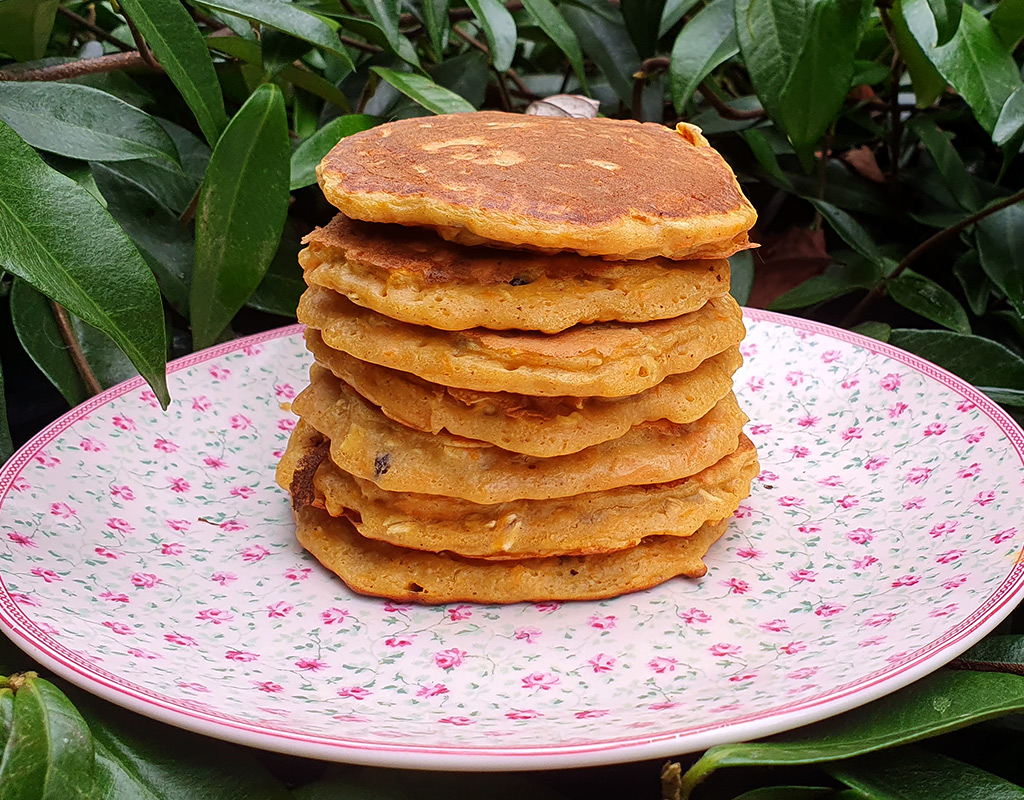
524	348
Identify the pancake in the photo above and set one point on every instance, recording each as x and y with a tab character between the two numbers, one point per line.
411	275
536	426
367	444
590	523
383	570
606	359
600	187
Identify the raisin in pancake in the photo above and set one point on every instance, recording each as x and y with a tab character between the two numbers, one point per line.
536	426
606	359
585	524
600	187
383	570
411	275
366	443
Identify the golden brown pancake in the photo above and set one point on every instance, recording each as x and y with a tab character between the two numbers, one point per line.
412	275
606	359
585	524
600	187
383	570
536	426
367	444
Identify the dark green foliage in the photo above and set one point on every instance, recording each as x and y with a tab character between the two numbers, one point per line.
148	202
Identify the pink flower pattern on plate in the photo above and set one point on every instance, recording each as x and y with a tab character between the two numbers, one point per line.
199	563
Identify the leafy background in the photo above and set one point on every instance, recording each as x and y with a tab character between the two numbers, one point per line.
156	174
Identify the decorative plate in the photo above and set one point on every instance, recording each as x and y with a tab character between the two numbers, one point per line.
149	558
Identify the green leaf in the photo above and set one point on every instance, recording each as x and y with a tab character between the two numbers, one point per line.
82	122
25	27
250	53
375	34
913	773
278	292
165	243
370	783
876	330
179	47
608	45
941	702
54	235
1000	238
643	20
946	18
957	179
499	28
241	212
466	74
763	151
435	20
987	364
837	280
674	11
741	267
40	337
925	297
976	284
788	793
995	652
928	83
287	18
6	697
311	152
821	77
852	233
385	13
6	445
1008	22
49	755
139	759
707	40
771	36
425	92
1010	122
554	25
974	61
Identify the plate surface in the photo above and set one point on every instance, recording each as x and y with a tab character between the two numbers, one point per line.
149	558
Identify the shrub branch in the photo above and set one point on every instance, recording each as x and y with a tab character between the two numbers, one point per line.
859	311
112	62
92	385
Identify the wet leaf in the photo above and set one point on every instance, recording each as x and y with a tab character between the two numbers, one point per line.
974	61
876	330
853	234
25	27
82	122
435	20
925	297
741	280
928	83
946	17
707	40
425	92
913	773
375	34
1000	238
554	25
996	652
951	167
288	18
49	754
987	364
311	152
38	207
241	213
179	47
674	11
1010	122
499	28
1007	21
942	702
789	793
643	20
836	281
975	283
608	45
278	292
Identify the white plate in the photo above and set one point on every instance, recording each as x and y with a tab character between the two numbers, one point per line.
149	558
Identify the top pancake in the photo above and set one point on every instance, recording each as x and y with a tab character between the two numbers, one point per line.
601	187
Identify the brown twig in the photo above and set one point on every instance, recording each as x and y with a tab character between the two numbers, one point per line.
112	62
859	311
986	666
94	29
140	43
512	74
895	71
366	47
460	14
826	146
92	385
727	111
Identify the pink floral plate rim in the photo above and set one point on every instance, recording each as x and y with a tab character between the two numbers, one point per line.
26	634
